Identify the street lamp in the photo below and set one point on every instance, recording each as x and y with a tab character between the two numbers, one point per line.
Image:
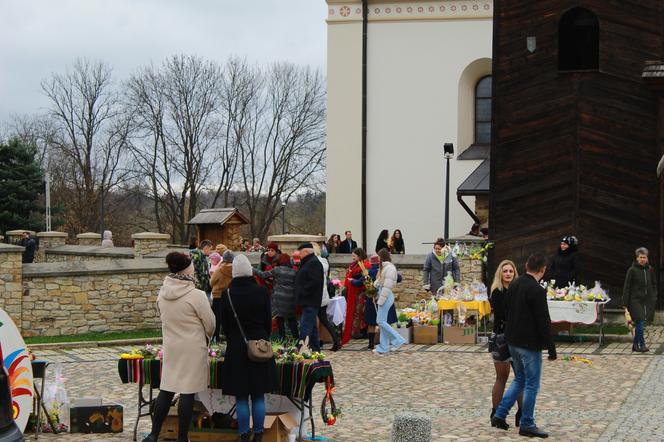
283	217
448	152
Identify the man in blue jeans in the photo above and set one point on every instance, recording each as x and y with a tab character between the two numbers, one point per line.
527	332
309	293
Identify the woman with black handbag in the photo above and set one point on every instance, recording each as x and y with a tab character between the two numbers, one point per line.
246	319
502	360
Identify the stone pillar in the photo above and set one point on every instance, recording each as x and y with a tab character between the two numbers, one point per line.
14	236
49	240
149	242
89	239
11	281
289	243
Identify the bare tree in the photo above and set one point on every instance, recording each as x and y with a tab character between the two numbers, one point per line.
239	86
176	135
282	146
89	137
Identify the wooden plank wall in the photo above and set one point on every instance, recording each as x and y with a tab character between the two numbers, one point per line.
575	152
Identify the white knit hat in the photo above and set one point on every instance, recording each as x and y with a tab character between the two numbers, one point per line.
241	266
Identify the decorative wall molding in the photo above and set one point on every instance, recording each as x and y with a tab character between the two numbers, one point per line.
407	10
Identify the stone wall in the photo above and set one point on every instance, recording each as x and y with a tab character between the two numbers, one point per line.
89	239
11	287
92	296
73	297
410	267
49	240
146	243
86	253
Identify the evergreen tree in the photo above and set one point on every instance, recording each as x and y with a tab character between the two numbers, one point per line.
21	183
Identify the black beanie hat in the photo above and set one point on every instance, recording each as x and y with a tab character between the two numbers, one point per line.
177	262
306	245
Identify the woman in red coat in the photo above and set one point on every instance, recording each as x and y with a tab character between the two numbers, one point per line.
354	284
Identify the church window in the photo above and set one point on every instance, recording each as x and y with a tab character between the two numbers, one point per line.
578	40
483	110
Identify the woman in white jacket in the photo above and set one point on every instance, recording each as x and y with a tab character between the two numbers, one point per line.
386	280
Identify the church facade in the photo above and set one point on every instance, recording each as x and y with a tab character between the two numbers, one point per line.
403	79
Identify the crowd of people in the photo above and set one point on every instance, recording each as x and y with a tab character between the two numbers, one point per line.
212	291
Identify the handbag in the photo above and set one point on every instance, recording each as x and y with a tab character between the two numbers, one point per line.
498	347
258	350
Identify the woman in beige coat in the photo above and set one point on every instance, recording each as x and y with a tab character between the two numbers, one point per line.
187	322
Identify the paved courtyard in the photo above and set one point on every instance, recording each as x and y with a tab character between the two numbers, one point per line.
618	397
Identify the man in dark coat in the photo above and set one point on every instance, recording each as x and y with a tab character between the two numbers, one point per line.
527	332
309	293
30	246
639	294
347	245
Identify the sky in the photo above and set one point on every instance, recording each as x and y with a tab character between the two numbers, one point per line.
41	37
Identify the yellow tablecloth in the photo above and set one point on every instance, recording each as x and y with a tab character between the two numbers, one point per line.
482	307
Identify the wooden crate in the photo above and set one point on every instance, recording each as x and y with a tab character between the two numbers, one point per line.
425	334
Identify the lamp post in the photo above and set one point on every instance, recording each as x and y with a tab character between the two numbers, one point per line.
283	217
448	152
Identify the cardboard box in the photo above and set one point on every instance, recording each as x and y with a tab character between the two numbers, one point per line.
96	419
169	429
323	334
425	334
278	426
459	335
213	435
406	333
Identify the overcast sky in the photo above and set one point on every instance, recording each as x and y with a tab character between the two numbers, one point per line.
38	37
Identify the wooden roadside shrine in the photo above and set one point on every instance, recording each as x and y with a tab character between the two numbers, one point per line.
221	225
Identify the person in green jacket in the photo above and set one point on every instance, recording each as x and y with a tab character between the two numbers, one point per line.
639	293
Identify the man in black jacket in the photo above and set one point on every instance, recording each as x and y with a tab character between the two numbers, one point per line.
309	293
347	245
527	333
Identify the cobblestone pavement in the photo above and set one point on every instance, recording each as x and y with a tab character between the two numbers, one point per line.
618	397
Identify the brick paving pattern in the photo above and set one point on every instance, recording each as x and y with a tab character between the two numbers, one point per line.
618	397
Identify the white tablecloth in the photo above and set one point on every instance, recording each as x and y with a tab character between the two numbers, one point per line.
575	312
336	310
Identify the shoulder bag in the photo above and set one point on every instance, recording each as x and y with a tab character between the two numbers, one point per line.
258	350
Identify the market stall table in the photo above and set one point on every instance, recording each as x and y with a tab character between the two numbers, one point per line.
295	379
336	310
578	312
483	308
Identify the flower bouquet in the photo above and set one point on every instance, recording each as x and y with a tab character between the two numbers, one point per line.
147	352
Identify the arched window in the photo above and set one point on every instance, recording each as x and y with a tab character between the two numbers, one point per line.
483	110
578	40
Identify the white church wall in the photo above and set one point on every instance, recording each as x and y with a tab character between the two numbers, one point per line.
414	72
344	128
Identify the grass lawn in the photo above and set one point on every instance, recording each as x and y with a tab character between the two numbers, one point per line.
109	336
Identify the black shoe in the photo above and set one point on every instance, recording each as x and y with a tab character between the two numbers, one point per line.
644	349
533	432
635	347
150	438
499	423
493	412
335	347
517	418
371	340
258	437
244	437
